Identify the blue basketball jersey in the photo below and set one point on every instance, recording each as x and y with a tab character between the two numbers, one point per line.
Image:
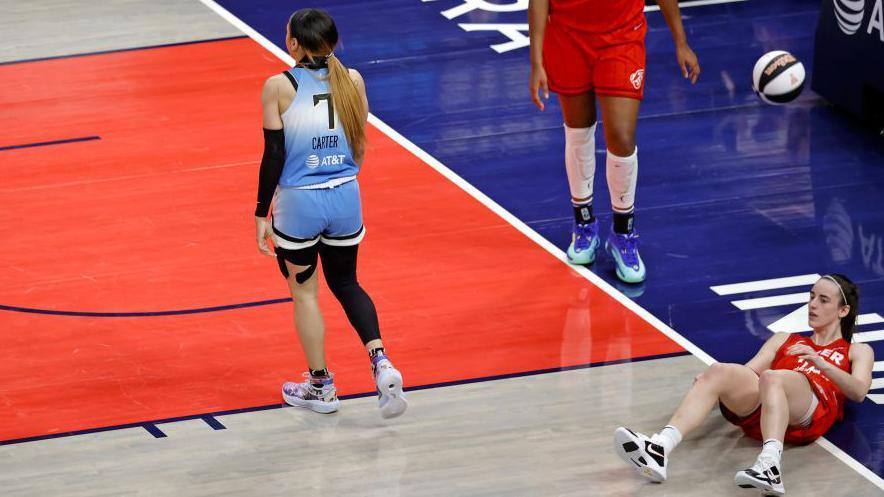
316	148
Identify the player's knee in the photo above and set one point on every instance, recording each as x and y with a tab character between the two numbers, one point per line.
340	284
302	294
580	121
620	142
770	379
714	375
337	288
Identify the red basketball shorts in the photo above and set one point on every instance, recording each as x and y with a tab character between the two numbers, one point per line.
611	63
824	416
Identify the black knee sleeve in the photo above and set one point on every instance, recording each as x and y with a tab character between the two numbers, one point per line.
339	267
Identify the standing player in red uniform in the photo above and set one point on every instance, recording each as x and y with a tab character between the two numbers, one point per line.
792	391
583	49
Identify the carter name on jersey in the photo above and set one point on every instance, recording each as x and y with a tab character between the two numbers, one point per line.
320	142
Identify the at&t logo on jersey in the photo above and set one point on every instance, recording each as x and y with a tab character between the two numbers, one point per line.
313	161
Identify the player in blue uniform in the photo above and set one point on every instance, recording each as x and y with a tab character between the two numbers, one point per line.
314	118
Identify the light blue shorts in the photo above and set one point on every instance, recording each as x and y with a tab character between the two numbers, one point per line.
303	218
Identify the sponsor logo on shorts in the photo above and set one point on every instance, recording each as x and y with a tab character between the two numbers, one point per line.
636	78
312	161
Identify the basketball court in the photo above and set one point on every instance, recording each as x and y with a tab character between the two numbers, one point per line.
145	338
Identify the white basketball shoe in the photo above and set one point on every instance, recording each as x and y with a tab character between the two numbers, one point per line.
391	397
315	393
643	454
764	475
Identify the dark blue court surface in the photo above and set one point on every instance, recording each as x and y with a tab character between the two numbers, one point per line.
730	190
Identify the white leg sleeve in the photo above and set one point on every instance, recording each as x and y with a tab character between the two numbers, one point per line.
580	162
622	173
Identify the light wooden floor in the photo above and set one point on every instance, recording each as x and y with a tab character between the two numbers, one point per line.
530	436
533	436
49	28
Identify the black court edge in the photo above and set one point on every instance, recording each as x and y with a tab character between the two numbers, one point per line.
119	50
151	425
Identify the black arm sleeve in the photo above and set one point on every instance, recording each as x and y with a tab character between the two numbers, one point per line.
271	169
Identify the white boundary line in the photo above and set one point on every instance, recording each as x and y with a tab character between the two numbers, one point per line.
771	284
697	3
527	231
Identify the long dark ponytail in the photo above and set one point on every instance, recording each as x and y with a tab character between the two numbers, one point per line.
315	30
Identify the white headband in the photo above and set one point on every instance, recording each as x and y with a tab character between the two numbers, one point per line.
838	285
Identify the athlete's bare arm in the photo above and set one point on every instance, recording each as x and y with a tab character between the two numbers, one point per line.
538	12
856	384
270	97
687	59
765	356
270	120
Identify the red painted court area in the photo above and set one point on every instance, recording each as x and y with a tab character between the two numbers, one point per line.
156	215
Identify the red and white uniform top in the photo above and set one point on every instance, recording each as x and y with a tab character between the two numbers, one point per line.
836	353
596	16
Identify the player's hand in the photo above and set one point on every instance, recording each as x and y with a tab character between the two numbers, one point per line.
805	352
263	231
687	60
539	83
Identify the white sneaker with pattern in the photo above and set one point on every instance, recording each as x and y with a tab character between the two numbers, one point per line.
305	394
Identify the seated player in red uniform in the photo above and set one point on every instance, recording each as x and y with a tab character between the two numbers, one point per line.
583	49
792	391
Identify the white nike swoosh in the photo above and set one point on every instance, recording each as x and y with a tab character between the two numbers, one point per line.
652	451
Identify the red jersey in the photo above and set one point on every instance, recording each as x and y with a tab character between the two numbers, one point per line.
831	400
597	16
836	353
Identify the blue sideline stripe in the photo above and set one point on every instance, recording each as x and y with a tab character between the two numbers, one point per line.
153	430
145	313
214	423
54	142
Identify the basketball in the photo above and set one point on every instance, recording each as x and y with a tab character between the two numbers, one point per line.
778	77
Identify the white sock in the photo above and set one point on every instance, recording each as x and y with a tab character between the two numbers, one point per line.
580	162
669	437
772	450
622	174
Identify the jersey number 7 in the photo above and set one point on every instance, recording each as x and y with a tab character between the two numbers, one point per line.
331	107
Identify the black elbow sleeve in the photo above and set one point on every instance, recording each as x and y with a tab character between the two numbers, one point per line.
271	169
